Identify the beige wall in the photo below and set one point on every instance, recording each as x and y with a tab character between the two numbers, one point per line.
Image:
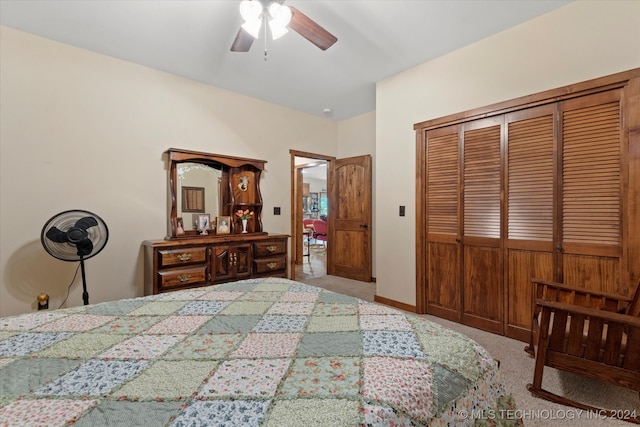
580	41
80	130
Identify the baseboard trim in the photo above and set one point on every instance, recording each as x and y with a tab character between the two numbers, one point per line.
396	304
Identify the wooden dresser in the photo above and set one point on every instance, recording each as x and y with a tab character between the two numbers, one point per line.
189	263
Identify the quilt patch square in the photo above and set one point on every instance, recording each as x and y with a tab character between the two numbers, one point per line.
43	412
178	325
76	323
403	383
246	307
335	309
82	346
30	342
452	352
333	298
295	308
391	343
126	414
299	297
268	345
204	346
261	296
167	380
158	308
301	287
221	295
370	308
332	323
142	347
330	344
129	324
183	295
31	374
246	377
115	308
230	324
389	322
314	413
206	308
94	378
323	376
29	321
272	286
278	323
223	413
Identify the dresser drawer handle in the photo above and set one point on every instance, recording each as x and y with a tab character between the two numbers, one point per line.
272	265
184	257
272	248
184	278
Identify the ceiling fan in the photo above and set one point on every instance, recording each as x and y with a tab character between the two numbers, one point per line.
257	13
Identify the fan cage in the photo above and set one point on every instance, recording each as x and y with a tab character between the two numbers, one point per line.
64	221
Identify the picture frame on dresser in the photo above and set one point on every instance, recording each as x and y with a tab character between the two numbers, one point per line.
223	225
178	225
204	222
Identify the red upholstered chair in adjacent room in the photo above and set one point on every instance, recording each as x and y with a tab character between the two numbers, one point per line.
320	231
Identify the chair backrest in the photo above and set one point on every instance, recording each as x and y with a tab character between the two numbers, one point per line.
307	222
320	227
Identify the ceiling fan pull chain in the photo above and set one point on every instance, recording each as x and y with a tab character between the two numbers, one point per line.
264	25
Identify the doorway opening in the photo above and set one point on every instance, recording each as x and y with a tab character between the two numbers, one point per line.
310	212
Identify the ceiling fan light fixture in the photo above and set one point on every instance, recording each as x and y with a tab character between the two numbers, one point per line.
250	10
253	27
280	18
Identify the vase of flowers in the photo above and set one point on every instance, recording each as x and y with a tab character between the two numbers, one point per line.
244	215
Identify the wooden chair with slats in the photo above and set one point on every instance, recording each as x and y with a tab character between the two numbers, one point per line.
592	334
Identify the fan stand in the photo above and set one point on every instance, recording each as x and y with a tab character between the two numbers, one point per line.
85	294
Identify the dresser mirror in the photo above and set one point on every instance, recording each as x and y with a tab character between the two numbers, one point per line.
206	186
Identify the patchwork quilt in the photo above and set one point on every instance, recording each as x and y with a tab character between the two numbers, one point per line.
260	352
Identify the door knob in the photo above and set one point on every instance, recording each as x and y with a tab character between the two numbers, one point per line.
364	225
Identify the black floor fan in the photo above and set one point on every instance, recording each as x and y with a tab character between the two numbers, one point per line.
75	235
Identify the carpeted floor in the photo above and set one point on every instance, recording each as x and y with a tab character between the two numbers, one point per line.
516	366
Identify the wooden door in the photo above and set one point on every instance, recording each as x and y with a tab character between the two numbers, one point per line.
529	248
482	290
349	244
443	291
593	181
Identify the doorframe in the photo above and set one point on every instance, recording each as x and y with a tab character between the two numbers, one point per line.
296	237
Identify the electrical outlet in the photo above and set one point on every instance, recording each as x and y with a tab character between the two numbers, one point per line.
401	210
276	210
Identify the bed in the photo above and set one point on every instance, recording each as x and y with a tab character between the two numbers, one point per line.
260	352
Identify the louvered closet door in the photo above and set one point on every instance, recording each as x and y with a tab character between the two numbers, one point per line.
592	182
443	236
482	258
530	198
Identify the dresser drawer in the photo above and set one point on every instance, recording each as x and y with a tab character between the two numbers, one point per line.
182	277
261	249
269	265
183	256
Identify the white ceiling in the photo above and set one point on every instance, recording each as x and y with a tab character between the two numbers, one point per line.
191	38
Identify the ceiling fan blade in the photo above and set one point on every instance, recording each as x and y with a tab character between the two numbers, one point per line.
243	41
56	235
86	222
310	30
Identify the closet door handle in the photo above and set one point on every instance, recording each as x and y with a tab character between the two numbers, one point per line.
364	225
458	240
559	247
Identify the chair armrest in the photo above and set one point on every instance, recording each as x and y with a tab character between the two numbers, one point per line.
607	316
569	288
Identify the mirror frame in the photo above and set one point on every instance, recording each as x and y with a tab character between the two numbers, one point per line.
231	166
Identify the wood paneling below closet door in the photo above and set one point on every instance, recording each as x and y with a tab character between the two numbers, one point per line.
443	290
530	208
593	182
483	302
